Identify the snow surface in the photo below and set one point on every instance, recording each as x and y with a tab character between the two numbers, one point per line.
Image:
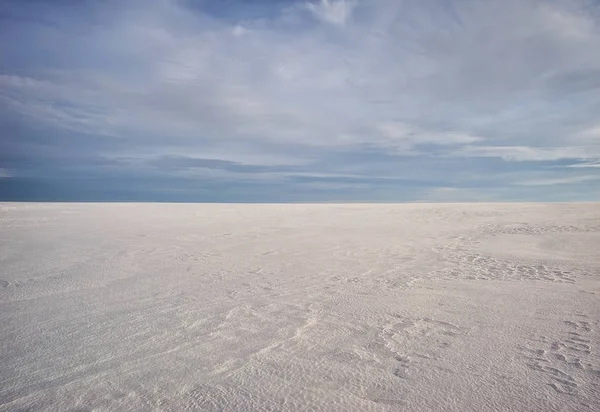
436	307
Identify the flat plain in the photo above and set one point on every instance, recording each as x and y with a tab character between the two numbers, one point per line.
320	307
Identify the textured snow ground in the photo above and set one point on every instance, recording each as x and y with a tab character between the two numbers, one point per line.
127	307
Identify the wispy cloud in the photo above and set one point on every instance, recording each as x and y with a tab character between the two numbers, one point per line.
332	11
585	165
528	153
456	90
559	181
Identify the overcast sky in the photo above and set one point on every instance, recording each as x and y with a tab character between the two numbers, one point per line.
289	100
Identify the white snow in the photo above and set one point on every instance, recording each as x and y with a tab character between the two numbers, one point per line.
409	307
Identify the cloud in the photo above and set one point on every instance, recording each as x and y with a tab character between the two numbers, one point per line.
324	87
559	181
591	134
585	165
332	11
184	162
401	134
528	153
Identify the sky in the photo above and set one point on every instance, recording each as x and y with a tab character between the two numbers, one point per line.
300	101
